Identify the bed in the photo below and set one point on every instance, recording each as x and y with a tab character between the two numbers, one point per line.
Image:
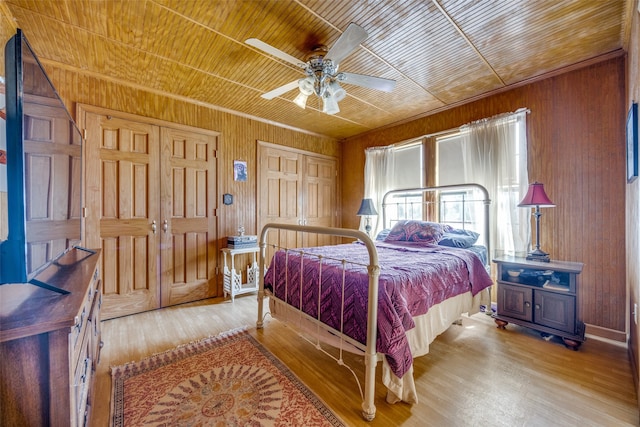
386	299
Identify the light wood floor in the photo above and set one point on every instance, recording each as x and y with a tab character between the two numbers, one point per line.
474	374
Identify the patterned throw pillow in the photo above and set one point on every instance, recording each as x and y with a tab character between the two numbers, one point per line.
417	231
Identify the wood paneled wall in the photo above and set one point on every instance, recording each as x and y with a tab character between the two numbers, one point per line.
238	140
632	209
576	148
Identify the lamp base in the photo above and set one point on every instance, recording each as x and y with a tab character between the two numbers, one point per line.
538	255
367	227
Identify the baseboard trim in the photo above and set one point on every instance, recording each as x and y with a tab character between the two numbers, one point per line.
606	334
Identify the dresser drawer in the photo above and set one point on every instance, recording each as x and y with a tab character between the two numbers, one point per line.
80	383
95	333
81	320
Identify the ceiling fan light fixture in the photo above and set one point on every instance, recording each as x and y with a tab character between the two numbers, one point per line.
301	100
330	105
336	91
306	85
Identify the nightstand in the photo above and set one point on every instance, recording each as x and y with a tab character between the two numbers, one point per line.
233	278
540	296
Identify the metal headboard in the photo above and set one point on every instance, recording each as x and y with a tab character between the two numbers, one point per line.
424	190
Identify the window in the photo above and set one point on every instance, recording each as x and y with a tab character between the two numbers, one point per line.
492	153
409	172
394	168
404	206
457	209
449	163
408	166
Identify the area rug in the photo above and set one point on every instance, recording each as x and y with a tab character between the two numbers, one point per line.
228	380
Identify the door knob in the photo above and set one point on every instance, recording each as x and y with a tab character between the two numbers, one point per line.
153	227
165	225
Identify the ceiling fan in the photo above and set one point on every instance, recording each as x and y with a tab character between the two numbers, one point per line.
321	68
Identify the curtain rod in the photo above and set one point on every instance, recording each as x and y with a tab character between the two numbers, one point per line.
500	116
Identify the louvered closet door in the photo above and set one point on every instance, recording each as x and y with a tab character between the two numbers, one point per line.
188	236
122	199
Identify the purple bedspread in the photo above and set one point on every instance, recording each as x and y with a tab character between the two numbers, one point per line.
413	278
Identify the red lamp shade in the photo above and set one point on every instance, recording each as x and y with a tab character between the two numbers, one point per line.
536	197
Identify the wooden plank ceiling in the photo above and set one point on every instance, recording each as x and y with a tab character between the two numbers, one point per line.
440	52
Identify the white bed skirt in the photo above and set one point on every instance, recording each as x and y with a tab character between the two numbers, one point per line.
428	327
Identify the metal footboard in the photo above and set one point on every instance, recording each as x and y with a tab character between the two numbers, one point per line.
373	268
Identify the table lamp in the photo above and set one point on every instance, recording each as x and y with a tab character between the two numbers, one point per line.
367	210
536	197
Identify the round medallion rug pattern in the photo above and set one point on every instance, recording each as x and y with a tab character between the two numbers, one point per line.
236	394
229	380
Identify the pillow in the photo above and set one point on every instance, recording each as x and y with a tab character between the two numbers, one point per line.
459	238
383	234
417	231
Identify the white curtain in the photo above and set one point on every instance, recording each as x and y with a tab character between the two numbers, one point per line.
379	176
494	155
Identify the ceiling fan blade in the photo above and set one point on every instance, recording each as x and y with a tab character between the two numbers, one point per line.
267	48
378	83
280	90
348	41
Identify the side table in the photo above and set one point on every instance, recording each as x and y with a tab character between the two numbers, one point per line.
233	284
541	296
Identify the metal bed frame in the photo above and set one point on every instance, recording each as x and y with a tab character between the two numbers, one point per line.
371	357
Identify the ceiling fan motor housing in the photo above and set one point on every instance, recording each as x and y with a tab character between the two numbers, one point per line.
323	71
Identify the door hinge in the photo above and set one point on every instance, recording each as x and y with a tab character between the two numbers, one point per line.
84	134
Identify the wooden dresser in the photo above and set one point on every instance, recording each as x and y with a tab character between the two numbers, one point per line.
50	344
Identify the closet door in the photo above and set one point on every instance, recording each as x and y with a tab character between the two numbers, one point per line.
151	207
319	197
123	210
280	191
296	188
188	222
